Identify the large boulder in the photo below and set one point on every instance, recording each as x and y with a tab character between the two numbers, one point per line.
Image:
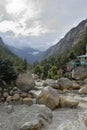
79	72
25	82
68	102
65	83
25	117
49	97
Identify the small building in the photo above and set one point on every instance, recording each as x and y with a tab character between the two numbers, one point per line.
83	59
79	61
77	69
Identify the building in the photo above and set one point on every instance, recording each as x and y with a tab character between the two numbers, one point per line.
83	59
79	61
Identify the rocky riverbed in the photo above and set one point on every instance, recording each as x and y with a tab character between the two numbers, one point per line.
69	119
16	117
49	105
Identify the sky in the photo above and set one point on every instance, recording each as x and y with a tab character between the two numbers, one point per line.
39	23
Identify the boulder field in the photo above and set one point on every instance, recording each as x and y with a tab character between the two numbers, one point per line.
36	101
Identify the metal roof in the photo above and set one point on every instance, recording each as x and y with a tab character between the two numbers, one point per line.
82	56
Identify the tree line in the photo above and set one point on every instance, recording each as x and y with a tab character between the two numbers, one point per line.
48	68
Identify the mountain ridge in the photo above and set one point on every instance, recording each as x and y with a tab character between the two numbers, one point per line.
70	39
32	55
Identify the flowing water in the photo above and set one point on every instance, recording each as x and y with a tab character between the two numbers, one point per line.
69	119
63	118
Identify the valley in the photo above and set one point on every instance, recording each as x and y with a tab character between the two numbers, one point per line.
45	90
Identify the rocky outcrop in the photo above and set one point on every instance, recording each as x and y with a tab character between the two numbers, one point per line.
68	102
49	97
79	72
25	82
65	83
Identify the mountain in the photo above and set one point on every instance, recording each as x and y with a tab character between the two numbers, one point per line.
70	39
4	49
8	57
30	54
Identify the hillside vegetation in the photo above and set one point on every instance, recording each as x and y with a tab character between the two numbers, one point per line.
48	68
10	64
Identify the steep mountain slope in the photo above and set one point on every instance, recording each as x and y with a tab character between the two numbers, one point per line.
9	56
71	38
30	54
4	49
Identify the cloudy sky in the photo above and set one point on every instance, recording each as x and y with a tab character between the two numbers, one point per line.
39	23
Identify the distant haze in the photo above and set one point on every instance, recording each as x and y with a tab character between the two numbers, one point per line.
39	23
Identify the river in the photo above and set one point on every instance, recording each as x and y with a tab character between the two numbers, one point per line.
69	119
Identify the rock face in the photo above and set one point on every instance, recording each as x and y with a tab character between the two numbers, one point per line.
25	118
68	102
25	82
49	97
65	83
79	72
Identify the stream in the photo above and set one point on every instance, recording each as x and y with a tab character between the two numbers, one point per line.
69	119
